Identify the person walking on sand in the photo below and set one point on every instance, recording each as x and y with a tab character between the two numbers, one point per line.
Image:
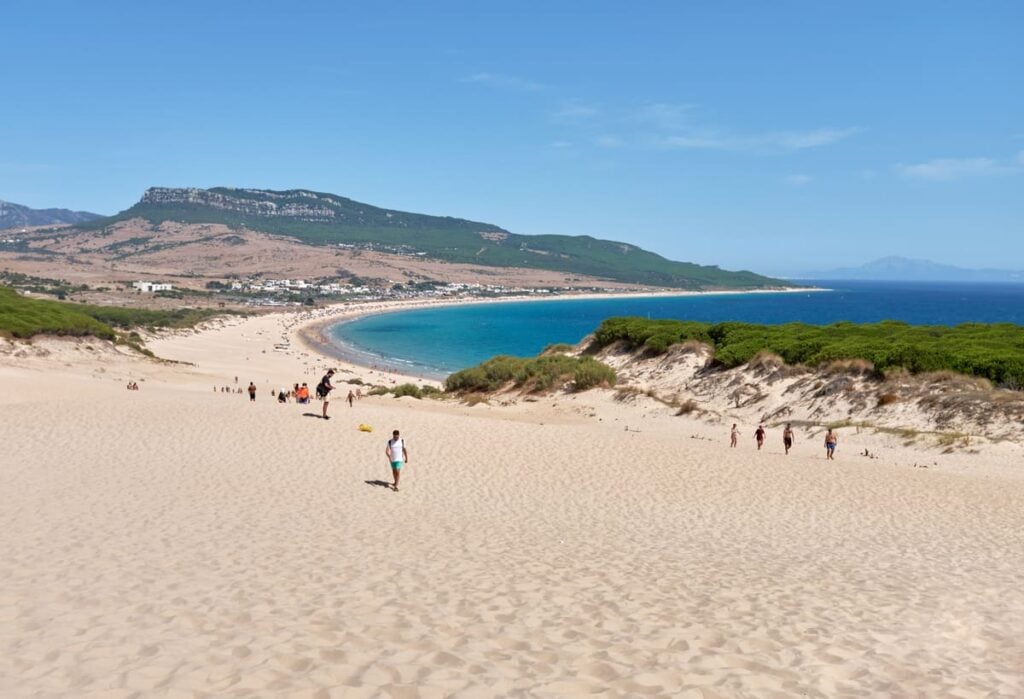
323	391
830	444
252	391
351	398
734	435
397	455
759	435
787	437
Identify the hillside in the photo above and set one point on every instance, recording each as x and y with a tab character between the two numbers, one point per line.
24	317
326	219
18	216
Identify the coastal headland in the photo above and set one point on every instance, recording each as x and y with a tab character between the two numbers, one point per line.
183	539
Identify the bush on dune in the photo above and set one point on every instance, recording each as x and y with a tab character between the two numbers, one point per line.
537	374
25	317
991	351
407	389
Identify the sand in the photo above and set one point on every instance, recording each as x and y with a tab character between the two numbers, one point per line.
178	541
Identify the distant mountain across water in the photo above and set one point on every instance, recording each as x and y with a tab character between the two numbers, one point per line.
18	216
913	270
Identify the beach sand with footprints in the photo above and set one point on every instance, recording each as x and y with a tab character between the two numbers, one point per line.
181	541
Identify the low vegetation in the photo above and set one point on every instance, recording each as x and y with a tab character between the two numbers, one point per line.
536	374
24	317
406	389
991	351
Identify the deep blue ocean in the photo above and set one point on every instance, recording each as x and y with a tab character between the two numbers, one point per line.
437	341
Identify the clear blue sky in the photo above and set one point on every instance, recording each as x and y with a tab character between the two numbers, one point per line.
779	137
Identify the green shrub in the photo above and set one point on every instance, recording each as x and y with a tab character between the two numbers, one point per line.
407	389
537	374
590	373
378	391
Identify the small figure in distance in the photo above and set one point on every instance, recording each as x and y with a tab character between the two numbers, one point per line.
397	455
830	444
734	435
787	437
323	391
252	392
351	398
759	434
359	393
303	394
282	397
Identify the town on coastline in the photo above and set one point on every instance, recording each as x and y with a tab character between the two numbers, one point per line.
258	291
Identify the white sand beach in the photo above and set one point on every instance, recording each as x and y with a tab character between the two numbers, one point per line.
180	541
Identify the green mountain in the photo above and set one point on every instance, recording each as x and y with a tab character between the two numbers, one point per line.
328	219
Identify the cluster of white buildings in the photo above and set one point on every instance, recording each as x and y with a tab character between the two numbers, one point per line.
150	287
300	286
296	286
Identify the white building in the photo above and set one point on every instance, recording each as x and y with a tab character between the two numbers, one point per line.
150	287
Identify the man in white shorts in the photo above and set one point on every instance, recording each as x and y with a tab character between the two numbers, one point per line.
397	455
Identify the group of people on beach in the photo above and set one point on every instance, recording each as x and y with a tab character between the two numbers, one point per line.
323	392
300	393
396	451
132	386
788	436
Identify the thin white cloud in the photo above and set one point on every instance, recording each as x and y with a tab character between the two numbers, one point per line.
609	141
575	111
798	180
561	144
949	169
507	82
768	141
797	140
664	116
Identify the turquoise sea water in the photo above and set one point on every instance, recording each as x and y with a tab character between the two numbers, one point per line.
437	341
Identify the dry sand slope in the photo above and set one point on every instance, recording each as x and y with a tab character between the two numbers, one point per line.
178	542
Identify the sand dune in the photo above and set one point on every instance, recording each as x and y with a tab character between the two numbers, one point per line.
177	541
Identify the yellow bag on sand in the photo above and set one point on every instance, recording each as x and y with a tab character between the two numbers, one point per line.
365	428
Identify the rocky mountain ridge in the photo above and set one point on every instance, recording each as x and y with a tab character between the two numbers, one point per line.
299	205
265	205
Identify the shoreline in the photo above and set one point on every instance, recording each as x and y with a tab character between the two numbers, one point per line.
312	334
